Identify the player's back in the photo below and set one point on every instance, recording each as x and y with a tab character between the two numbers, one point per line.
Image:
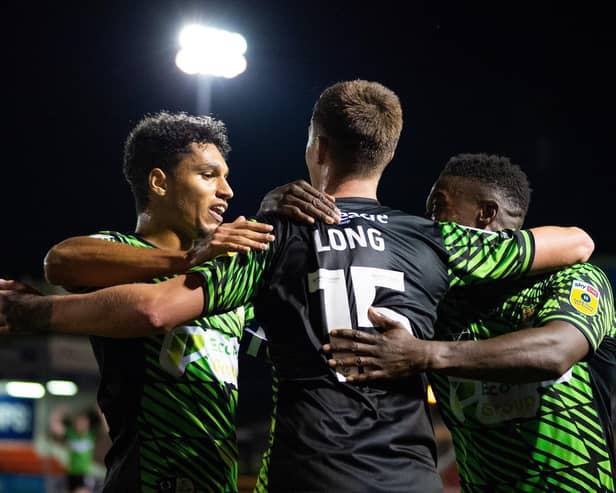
328	435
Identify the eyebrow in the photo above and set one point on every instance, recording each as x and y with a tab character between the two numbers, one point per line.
209	166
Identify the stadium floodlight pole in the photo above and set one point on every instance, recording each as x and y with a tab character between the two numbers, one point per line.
208	52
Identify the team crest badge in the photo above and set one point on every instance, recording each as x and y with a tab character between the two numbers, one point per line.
584	298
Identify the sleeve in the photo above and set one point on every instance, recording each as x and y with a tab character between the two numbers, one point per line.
476	255
108	236
117	237
582	296
230	281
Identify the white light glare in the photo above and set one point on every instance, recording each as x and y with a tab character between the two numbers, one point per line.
28	390
210	51
61	387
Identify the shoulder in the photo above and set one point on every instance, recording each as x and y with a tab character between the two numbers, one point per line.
588	272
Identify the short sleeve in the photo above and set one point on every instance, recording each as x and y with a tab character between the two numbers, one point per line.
230	281
476	255
582	296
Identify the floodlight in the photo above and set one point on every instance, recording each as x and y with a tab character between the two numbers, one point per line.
209	51
28	390
61	387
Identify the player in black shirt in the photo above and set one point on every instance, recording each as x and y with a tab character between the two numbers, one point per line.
330	436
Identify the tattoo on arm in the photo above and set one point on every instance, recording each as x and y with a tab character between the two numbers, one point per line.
27	313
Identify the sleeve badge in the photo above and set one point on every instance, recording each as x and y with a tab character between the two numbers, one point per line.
584	298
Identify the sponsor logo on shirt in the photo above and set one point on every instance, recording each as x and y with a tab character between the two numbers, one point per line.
492	403
345	217
584	298
188	344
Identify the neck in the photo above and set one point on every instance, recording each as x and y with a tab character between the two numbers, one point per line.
340	187
152	229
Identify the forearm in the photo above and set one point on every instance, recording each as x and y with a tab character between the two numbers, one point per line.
84	261
557	247
121	312
528	355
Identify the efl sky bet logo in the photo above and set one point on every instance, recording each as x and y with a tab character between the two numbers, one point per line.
584	298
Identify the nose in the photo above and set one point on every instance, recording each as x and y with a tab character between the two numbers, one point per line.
224	189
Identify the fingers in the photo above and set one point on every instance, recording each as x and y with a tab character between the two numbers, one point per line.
313	208
242	235
301	201
312	202
327	199
370	368
7	284
367	376
245	240
352	361
379	320
241	223
347	346
295	213
12	285
355	335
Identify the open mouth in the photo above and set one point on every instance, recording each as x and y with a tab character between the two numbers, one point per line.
217	212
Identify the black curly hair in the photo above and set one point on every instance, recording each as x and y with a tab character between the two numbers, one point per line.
160	139
495	171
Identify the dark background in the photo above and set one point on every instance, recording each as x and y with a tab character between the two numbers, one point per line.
530	81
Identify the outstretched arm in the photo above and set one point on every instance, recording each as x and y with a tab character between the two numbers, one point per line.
528	355
92	262
557	247
134	310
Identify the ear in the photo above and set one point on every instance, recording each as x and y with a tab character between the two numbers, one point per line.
322	149
488	210
157	182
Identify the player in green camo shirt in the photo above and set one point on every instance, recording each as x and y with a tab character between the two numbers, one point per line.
531	406
170	400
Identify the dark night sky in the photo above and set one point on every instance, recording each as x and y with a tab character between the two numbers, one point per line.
527	81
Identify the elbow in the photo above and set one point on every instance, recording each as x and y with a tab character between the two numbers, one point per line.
54	266
151	317
560	360
585	246
553	370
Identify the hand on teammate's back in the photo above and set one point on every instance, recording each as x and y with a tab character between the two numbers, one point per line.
394	353
240	236
301	201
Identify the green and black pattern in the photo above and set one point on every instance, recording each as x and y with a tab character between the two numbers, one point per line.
232	281
186	419
477	255
535	437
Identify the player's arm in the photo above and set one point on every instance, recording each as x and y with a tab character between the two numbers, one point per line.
528	355
477	256
132	310
137	310
90	261
570	326
96	262
557	247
